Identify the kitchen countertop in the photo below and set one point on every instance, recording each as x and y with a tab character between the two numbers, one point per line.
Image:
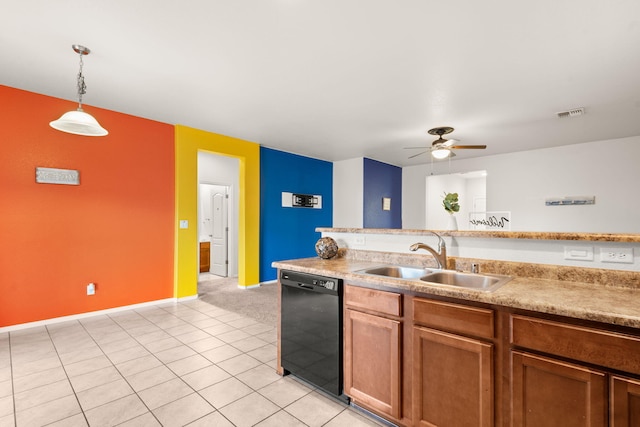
588	301
494	234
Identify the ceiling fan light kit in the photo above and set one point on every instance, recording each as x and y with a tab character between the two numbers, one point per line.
441	153
442	148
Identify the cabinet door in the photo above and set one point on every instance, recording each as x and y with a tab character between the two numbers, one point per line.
551	393
625	402
372	361
452	380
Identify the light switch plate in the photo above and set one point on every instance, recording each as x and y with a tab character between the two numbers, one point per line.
581	253
184	223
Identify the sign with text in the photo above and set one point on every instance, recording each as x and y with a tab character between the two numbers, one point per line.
57	176
496	220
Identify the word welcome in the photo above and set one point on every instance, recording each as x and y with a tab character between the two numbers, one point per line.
492	221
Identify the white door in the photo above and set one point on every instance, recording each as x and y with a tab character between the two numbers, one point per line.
219	231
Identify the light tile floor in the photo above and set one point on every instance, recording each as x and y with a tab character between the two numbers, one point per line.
178	364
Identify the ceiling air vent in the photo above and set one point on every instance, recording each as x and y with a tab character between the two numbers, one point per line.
574	112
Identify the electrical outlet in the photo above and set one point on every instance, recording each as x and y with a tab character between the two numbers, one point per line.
91	289
621	255
359	240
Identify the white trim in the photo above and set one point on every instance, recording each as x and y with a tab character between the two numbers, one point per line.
249	286
93	313
185	299
269	282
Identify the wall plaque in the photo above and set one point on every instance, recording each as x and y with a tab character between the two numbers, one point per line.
57	176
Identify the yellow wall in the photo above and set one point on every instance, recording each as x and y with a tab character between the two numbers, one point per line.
188	142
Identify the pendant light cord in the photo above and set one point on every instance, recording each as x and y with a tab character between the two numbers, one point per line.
82	87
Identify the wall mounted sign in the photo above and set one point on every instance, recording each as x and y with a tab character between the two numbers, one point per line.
57	176
496	220
571	200
296	200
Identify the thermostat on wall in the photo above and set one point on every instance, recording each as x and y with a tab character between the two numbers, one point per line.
297	200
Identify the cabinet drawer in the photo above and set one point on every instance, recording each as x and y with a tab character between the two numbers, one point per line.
373	300
596	346
454	317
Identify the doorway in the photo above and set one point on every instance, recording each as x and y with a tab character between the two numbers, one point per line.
472	191
189	144
218	178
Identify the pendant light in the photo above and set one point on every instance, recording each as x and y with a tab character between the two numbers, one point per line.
78	122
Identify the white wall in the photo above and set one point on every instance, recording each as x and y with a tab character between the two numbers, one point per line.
515	250
521	182
348	193
222	170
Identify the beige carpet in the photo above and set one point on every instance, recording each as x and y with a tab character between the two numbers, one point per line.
260	303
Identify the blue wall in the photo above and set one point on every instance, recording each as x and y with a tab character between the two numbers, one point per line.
382	180
289	233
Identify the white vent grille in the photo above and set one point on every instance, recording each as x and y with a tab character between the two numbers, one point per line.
574	112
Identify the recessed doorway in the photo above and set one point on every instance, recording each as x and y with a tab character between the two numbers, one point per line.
218	212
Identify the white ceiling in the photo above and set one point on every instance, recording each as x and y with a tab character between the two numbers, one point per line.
339	79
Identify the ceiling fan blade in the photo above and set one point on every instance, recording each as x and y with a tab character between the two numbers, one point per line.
475	147
416	155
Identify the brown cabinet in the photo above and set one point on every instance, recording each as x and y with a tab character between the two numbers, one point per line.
624	402
420	361
453	380
453	371
549	392
566	393
372	350
205	256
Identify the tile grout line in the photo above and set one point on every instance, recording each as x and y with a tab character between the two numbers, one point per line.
53	343
174	317
119	372
231	374
13	389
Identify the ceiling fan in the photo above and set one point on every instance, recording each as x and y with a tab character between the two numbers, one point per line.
441	148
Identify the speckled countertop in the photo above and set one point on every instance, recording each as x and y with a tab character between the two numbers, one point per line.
493	234
593	299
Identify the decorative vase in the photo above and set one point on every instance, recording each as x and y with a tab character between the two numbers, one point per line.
326	247
453	222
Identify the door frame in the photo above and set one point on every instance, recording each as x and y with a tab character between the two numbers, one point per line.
188	142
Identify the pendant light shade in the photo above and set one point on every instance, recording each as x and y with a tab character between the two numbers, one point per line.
78	122
441	153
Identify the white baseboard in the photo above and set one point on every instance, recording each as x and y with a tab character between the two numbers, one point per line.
257	285
93	313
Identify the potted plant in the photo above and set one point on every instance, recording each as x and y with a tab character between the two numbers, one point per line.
451	205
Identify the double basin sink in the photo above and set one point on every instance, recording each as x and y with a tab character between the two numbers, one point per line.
482	282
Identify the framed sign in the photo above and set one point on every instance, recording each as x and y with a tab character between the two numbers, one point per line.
57	176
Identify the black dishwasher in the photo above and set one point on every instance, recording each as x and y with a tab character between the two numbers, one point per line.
311	329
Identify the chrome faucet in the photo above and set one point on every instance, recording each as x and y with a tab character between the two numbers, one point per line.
440	255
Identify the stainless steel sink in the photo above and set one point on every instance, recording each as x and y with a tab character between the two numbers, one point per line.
483	282
397	271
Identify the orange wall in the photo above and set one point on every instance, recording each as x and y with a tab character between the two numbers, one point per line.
115	229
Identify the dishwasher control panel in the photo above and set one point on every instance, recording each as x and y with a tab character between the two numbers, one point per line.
327	284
